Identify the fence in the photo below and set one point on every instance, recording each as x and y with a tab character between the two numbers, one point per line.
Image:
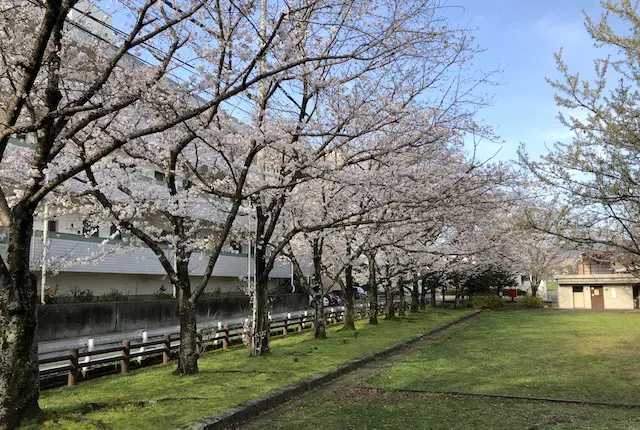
81	365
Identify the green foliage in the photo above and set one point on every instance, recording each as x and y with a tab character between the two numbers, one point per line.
486	301
494	278
81	296
50	295
531	302
162	294
114	295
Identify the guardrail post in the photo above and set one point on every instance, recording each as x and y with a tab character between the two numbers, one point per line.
225	338
285	325
145	338
124	362
72	374
90	347
166	350
300	324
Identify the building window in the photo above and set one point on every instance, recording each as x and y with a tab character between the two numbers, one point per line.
578	289
52	225
159	176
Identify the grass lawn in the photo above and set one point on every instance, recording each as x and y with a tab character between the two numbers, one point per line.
590	356
569	355
153	398
358	409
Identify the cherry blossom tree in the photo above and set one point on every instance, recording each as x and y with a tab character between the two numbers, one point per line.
65	98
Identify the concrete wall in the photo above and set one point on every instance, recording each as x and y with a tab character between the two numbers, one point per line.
565	297
615	297
87	319
102	283
618	297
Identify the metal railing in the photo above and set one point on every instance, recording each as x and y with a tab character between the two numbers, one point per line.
88	362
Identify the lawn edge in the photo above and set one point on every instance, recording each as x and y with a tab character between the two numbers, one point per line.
502	396
256	406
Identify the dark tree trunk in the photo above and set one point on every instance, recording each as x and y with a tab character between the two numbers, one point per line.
423	294
403	303
319	322
19	380
415	297
433	295
261	330
391	310
188	354
373	290
349	305
534	287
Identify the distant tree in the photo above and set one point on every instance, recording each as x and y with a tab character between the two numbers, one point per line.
596	175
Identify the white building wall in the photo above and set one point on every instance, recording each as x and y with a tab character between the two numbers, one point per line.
565	297
101	284
618	297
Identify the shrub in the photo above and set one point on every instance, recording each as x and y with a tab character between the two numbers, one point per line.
531	302
162	294
114	295
50	295
486	301
81	296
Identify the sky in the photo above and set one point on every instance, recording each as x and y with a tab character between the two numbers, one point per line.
521	38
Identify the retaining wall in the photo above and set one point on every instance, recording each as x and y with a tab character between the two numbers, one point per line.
70	320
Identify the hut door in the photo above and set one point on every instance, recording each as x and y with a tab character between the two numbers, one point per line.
597	298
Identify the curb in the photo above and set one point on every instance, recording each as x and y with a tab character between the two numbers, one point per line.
505	396
254	407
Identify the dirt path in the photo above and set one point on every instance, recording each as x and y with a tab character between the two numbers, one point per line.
349	381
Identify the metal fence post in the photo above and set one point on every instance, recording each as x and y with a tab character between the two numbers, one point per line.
72	375
124	362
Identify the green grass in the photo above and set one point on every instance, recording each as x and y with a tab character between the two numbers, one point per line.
357	409
582	356
590	356
153	398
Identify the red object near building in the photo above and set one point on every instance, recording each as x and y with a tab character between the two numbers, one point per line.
513	293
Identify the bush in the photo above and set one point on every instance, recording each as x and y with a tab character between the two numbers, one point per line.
486	301
113	295
162	294
531	302
81	296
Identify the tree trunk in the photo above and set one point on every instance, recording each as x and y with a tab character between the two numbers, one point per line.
260	331
19	379
349	305
403	303
373	290
188	354
423	294
319	322
433	295
534	286
415	297
391	310
318	317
